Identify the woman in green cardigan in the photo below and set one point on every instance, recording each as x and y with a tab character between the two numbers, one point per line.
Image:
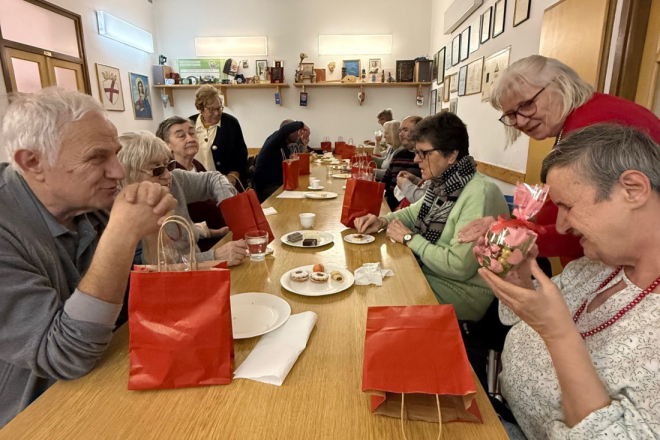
457	195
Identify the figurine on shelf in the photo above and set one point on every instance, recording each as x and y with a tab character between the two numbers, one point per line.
364	75
331	66
382	76
390	78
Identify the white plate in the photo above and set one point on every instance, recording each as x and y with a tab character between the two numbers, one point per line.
341	176
308	288
320	196
315	189
254	314
366	239
323	238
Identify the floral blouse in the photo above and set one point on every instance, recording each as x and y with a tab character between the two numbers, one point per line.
626	356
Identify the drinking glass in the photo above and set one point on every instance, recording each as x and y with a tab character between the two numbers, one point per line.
379	136
257	242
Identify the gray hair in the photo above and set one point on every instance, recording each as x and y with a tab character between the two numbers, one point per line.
394	127
539	71
601	153
39	121
138	150
163	131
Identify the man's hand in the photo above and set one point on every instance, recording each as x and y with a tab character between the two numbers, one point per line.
233	252
370	224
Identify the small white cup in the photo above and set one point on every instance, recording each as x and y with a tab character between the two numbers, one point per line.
315	183
307	219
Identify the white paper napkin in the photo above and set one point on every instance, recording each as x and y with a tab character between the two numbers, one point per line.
398	194
269	211
291	195
274	356
371	273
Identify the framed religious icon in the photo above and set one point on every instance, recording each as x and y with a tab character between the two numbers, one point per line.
447	58
307	70
405	70
441	65
140	95
494	66
475	32
500	18
486	18
453	83
465	44
110	90
446	89
353	67
434	71
462	78
433	102
375	66
456	50
521	12
475	72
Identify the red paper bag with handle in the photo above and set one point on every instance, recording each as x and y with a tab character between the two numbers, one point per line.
361	197
339	146
326	145
349	150
243	213
303	164
290	171
180	331
414	359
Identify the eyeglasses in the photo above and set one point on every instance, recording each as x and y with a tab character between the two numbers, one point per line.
160	170
526	109
423	153
214	109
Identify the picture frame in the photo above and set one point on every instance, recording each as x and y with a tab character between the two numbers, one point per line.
475	71
320	75
465	44
453	106
447	58
433	101
442	53
462	79
277	75
375	66
456	50
475	33
405	70
281	63
494	65
111	93
521	11
486	19
307	70
140	95
353	67
453	81
441	92
499	18
261	68
434	71
446	91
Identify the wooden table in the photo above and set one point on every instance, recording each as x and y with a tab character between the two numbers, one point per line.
321	397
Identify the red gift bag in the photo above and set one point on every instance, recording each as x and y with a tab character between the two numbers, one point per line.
361	197
326	145
360	157
349	150
180	331
415	354
363	170
243	213
303	164
339	146
290	172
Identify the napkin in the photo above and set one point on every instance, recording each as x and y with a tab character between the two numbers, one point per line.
371	273
291	195
274	356
398	194
269	211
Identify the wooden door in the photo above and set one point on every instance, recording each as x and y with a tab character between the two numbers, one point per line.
28	72
648	85
575	33
66	74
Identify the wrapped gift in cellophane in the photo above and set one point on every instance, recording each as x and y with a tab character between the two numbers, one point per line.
507	242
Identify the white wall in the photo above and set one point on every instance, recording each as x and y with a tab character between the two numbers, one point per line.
293	26
103	50
487	139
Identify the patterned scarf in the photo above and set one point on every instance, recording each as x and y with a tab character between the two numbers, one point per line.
441	197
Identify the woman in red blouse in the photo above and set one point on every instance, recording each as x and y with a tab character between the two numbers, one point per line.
543	98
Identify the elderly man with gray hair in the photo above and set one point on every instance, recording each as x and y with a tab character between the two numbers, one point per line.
64	259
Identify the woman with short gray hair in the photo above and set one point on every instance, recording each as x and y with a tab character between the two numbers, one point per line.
582	359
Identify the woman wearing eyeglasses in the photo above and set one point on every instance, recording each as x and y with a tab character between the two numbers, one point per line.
221	144
145	157
457	195
544	98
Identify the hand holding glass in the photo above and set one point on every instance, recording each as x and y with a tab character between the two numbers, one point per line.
257	242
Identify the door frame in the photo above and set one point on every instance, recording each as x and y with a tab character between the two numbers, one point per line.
82	59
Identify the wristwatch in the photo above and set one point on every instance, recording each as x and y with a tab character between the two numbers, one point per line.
408	238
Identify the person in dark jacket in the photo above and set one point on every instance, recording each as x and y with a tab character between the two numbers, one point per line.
221	144
268	173
404	160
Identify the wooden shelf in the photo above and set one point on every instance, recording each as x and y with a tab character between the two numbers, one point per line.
223	88
338	84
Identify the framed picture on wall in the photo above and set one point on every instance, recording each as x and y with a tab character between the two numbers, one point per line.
140	95
261	67
434	72
486	18
405	70
433	101
465	44
453	106
453	83
447	58
110	90
494	65
500	18
475	33
307	70
353	67
475	72
441	92
462	78
375	65
446	87
456	50
281	63
521	12
441	66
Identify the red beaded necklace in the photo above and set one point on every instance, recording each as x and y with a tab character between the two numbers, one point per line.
621	312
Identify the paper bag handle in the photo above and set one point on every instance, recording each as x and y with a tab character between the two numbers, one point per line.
437	401
191	238
340	139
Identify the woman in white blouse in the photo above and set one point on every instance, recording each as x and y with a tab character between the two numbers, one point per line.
582	359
